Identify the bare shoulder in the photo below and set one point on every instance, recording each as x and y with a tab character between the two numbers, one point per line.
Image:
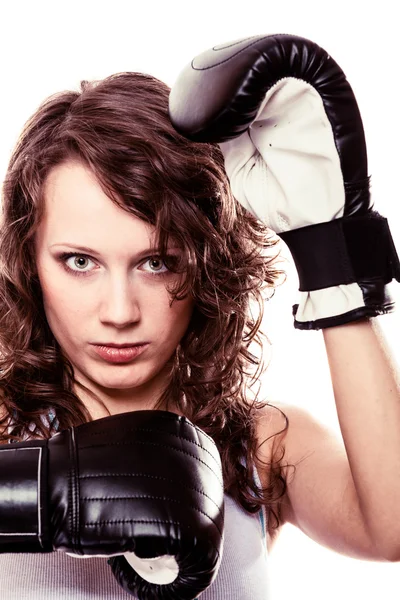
274	426
283	431
320	497
274	429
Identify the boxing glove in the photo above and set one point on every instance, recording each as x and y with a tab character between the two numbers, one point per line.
147	483
292	137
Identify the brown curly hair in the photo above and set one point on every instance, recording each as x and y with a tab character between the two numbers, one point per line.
120	129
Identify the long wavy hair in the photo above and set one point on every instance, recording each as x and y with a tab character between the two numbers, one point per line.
119	128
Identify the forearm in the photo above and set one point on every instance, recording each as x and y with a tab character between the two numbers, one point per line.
366	387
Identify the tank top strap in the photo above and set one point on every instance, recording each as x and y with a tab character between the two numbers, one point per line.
47	420
262	514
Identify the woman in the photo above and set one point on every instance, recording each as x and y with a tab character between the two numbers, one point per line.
105	169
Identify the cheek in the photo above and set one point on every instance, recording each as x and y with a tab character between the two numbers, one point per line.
63	309
58	301
170	322
182	312
155	305
56	293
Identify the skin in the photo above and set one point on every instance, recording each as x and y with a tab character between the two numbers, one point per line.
120	298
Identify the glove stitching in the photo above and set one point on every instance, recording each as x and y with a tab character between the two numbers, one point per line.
73	494
189	487
232	57
180	437
131	442
233	44
151	521
144	497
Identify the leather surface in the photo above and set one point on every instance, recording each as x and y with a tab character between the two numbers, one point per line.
145	481
218	95
272	102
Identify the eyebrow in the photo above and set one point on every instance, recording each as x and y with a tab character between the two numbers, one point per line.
88	250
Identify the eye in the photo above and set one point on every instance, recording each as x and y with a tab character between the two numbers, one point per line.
78	260
156	265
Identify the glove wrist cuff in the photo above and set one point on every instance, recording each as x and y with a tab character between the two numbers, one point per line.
343	251
344	266
23	487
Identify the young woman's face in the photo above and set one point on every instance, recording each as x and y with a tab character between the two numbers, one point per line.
112	292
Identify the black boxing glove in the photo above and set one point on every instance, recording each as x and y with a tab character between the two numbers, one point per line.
290	130
145	483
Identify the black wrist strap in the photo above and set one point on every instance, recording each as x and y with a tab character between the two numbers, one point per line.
23	497
343	251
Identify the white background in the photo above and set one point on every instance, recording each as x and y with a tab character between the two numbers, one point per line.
47	47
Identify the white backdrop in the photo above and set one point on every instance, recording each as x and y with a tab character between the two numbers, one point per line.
47	47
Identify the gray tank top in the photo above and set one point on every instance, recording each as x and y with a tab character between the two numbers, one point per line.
243	574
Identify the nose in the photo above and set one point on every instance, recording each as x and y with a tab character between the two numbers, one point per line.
120	303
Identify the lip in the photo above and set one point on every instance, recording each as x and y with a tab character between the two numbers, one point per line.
119	354
112	345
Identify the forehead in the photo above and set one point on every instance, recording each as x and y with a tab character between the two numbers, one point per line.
77	209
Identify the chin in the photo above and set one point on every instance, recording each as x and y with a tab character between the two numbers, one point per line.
117	383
